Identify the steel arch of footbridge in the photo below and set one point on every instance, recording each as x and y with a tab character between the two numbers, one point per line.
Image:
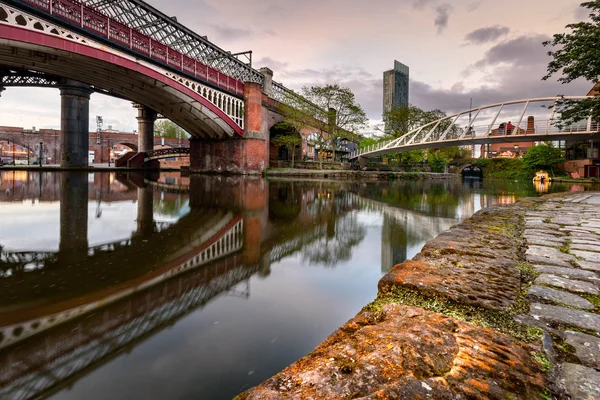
444	132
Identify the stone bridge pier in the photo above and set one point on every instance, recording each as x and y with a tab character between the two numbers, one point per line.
246	155
145	212
74	123
73	246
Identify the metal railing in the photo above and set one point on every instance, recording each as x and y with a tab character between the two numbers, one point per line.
134	33
446	129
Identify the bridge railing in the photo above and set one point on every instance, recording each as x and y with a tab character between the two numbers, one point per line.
98	23
449	128
163	153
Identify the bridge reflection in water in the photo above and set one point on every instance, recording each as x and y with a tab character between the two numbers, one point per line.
68	309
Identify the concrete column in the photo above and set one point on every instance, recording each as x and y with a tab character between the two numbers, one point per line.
73	246
74	123
145	211
146	117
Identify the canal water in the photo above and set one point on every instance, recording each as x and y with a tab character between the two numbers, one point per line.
123	286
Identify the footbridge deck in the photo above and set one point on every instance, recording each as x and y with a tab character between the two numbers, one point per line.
488	124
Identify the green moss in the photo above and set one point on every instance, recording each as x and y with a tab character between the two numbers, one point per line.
528	273
563	346
566	246
592	298
547	220
542	361
501	321
546	395
346	366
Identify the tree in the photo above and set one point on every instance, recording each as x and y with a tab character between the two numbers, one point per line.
167	129
577	56
284	134
331	110
411	156
403	119
542	156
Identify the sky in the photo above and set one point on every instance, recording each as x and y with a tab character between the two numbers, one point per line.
485	50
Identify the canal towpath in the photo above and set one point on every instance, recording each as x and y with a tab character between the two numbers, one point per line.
503	305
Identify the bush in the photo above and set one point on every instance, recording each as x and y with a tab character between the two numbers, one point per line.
438	164
542	156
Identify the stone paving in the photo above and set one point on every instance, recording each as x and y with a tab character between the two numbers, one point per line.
463	319
562	239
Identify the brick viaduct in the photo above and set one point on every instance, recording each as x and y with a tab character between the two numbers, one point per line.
51	142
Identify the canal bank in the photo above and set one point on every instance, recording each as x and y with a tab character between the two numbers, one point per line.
503	305
355	175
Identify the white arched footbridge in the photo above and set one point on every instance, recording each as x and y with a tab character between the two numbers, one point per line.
490	124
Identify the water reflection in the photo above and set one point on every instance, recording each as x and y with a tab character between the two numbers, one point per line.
153	274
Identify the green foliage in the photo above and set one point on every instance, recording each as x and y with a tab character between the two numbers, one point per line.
411	156
286	134
437	163
542	156
450	153
364	142
331	110
503	168
167	129
577	55
401	120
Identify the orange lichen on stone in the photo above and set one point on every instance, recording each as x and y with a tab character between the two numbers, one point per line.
470	263
431	356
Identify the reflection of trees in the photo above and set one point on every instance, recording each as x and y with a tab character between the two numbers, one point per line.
284	201
343	233
313	218
169	207
433	198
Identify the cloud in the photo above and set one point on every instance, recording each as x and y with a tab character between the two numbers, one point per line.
474	6
442	15
225	32
421	4
523	50
487	34
270	63
581	13
512	70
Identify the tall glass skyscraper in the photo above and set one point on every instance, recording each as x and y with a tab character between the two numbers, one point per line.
395	87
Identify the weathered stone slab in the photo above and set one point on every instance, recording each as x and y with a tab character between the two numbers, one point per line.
581	235
533	232
544	240
484	283
568	284
586	247
582	230
560	296
592	266
542	226
569	273
582	241
593	200
409	353
548	252
587	255
580	382
548	261
566	316
587	347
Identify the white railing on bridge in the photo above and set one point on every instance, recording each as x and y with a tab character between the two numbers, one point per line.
449	131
